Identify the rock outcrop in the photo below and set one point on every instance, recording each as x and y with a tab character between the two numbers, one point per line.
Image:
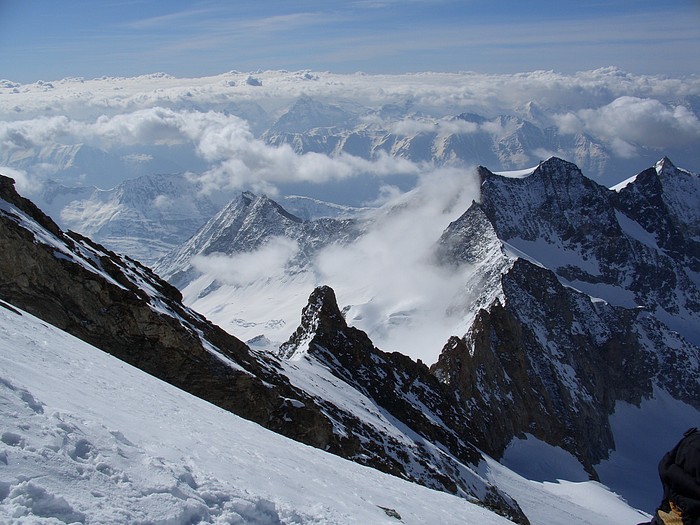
438	452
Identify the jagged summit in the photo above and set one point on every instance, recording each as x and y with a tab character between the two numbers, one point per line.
556	199
244	224
664	165
321	314
586	293
248	223
402	390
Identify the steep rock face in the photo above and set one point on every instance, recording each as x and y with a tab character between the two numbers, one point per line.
587	235
123	308
663	200
437	453
549	362
568	300
472	239
245	225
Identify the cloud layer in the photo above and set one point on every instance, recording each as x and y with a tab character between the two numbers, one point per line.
632	120
217	120
266	263
236	159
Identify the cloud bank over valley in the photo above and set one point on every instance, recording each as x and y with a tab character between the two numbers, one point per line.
278	131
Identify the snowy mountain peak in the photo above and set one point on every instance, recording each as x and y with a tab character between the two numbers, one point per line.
308	113
251	223
664	165
536	243
554	170
144	218
556	200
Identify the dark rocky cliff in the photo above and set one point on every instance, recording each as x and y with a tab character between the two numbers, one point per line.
441	454
123	308
585	300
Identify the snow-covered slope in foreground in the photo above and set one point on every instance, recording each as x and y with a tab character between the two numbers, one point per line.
87	438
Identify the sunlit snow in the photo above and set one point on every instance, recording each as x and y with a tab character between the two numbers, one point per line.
87	438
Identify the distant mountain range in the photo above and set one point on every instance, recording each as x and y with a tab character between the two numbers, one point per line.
143	217
511	140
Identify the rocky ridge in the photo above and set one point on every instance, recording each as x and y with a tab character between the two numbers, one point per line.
246	224
403	390
123	308
575	321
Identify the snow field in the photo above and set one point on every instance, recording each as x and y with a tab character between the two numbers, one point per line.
88	439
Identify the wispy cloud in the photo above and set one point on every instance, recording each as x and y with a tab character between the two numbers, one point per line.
168	20
288	22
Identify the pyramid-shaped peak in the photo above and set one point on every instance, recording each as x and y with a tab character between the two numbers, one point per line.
320	315
665	165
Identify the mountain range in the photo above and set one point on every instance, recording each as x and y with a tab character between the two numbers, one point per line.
123	308
564	286
572	302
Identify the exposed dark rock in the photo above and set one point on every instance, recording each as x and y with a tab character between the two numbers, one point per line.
542	357
530	366
123	308
401	388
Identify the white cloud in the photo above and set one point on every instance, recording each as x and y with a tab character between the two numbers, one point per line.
163	202
444	126
256	165
24	184
436	94
630	120
267	262
399	295
132	114
237	159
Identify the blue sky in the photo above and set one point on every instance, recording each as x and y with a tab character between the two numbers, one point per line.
50	39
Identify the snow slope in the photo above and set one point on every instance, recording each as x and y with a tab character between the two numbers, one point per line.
87	438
